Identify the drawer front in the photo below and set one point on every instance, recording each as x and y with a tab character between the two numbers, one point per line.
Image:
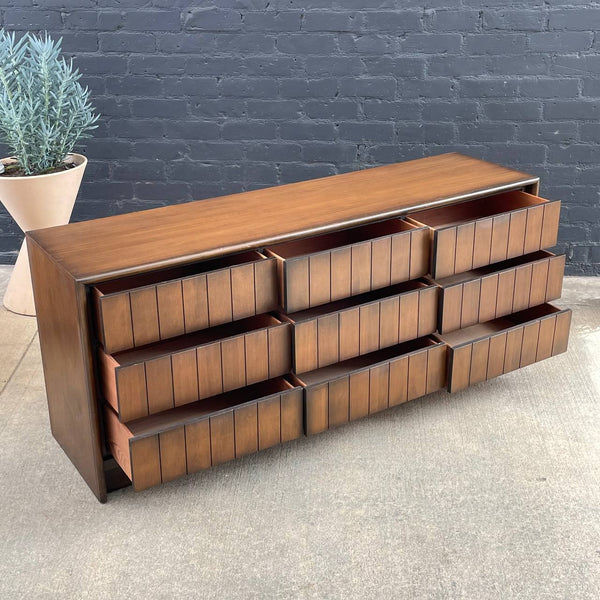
364	328
199	444
500	293
367	391
508	350
315	279
199	372
136	317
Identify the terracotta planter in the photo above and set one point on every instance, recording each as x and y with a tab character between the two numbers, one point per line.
36	202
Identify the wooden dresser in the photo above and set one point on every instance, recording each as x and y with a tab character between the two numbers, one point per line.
179	338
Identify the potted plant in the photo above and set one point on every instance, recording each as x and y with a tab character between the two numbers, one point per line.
44	112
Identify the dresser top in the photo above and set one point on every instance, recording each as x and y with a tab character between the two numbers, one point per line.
141	241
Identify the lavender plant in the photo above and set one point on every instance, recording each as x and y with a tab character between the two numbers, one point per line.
44	110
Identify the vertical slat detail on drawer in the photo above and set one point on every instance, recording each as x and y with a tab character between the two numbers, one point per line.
297	284
539	281
292	421
516	234
428	304
556	270
349	333
451	308
361	268
195	303
506	292
369	328
197	445
220	309
117	330
145	462
469	314
398	381
233	361
479	361
545	338
280	348
341	273
497	349
381	258
319	278
185	377
419	253
388	321
417	374
328	339
159	384
522	287
550	224
242	291
222	438
401	257
339	401
460	368
359	394
512	355
561	332
533	229
379	387
170	309
445	252
131	389
487	297
246	430
265	278
144	315
500	229
483	242
465	239
172	454
269	422
257	356
305	346
317	408
210	377
436	368
530	342
409	316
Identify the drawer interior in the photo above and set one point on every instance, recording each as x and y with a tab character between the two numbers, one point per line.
338	239
455	214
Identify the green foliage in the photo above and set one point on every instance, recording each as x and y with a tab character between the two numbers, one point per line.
44	110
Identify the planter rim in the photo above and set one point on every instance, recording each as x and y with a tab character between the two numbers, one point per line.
79	159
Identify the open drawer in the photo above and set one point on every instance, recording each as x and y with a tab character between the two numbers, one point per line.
183	440
160	376
486	350
488	230
496	290
368	384
346	263
138	310
340	330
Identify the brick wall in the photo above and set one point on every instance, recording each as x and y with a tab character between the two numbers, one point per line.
204	99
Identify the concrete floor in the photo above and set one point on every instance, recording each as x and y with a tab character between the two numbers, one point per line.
489	493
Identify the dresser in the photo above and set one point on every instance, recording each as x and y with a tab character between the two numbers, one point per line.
180	338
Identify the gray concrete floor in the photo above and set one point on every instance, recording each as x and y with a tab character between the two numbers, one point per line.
489	493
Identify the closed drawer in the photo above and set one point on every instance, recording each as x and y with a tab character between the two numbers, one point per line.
496	290
158	377
352	327
368	384
135	311
346	263
488	230
183	440
484	351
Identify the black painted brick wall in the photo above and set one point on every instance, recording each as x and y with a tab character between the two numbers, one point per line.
204	99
